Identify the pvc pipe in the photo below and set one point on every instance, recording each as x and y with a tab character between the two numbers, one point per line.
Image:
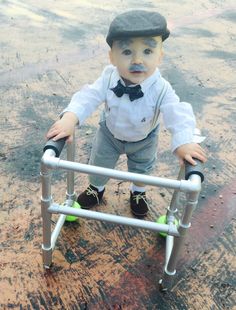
182	185
169	247
57	229
169	229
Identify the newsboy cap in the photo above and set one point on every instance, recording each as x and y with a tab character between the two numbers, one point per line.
137	23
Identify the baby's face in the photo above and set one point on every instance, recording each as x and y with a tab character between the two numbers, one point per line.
136	58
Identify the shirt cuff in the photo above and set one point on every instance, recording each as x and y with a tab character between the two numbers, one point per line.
180	138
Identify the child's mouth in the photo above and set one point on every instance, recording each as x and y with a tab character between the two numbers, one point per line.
136	72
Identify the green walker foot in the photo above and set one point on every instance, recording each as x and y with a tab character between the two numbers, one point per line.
162	220
72	218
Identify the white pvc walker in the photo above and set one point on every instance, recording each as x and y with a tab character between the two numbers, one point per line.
191	185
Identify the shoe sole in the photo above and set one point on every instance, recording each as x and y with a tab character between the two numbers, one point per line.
139	215
91	206
88	207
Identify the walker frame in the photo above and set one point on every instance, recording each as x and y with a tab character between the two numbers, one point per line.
191	185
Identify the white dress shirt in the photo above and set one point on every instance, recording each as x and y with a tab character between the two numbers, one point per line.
133	120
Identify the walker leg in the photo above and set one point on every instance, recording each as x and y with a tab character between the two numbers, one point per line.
172	209
46	200
70	194
184	225
170	217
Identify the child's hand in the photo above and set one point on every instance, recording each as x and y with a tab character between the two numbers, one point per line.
63	128
189	151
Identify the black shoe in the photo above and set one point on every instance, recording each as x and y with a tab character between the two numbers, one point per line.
90	197
138	204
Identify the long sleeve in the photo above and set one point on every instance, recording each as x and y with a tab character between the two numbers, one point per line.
84	102
178	119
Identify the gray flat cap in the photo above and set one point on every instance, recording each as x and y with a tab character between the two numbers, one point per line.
137	23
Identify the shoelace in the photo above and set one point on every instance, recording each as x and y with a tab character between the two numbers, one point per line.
93	192
139	197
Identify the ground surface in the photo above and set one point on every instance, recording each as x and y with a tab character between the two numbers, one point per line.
49	50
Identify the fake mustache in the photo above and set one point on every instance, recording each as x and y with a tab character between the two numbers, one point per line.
140	68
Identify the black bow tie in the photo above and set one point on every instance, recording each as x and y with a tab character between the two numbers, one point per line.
133	92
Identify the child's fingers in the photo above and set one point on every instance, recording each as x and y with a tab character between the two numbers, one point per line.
52	133
54	130
202	153
60	136
201	156
189	158
56	133
197	155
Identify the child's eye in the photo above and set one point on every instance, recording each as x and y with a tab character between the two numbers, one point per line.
147	51
126	52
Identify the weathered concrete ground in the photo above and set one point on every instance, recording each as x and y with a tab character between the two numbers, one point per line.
48	51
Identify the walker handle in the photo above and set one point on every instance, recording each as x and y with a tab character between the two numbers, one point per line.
56	146
190	169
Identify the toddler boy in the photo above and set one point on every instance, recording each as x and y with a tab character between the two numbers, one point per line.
134	93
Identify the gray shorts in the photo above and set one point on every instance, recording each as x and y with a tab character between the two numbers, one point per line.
106	150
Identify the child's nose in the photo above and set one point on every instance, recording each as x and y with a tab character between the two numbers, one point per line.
137	59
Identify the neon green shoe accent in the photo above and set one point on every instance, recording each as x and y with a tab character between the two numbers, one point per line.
72	218
162	220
